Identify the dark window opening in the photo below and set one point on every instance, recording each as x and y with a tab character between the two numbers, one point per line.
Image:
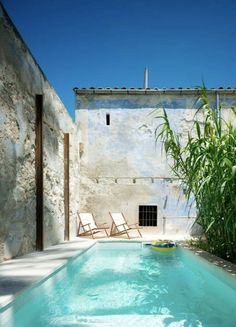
108	119
148	215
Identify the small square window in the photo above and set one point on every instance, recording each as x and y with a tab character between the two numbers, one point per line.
107	119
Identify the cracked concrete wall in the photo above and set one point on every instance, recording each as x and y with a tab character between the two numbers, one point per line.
20	80
123	167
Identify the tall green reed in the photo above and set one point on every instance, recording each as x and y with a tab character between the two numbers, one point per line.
206	165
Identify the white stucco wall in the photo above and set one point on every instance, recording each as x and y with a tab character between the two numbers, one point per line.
122	166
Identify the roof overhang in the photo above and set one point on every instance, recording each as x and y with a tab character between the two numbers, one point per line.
154	91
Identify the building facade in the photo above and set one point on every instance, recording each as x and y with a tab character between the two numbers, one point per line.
123	167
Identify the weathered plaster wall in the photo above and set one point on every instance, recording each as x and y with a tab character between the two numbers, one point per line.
20	80
122	166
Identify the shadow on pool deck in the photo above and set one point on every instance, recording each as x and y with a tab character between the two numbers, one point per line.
20	273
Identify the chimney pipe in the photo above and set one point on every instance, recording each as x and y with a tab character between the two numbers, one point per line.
145	86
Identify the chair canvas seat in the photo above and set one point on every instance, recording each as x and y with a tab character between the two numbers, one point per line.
119	220
87	218
120	225
88	225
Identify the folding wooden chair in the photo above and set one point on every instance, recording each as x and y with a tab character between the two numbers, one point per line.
120	226
88	226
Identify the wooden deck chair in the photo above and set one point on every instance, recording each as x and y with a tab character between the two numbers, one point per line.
120	226
88	226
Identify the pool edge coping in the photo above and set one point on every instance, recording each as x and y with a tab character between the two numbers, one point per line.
218	262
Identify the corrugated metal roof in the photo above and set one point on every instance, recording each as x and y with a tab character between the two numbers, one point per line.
133	90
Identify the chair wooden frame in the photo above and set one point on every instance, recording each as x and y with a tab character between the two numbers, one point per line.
87	229
114	227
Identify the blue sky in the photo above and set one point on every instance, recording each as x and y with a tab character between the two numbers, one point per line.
107	43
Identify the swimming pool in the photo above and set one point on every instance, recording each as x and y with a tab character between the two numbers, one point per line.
128	284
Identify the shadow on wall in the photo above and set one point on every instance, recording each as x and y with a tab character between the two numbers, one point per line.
17	212
196	230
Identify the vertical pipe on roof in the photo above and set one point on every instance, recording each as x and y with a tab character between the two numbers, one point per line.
145	86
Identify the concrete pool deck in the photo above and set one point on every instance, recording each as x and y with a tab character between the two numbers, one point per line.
20	273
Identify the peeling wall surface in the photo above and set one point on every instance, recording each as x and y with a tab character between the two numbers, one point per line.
20	80
122	166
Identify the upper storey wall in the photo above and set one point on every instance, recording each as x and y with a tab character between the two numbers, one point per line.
170	99
127	146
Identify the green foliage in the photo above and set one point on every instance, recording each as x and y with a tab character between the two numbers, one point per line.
206	165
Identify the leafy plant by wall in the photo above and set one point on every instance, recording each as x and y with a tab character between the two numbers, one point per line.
206	165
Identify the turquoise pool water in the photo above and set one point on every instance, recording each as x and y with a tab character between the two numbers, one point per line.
127	284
